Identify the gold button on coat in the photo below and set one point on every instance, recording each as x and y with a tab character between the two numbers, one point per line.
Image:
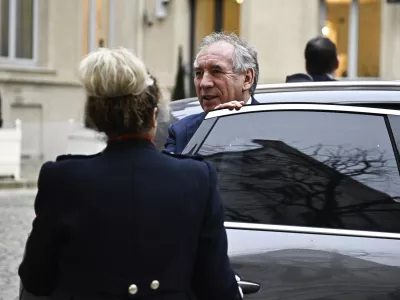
154	284
133	289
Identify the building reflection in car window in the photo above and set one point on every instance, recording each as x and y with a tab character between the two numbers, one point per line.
319	169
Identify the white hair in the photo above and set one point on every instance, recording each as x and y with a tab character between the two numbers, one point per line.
113	73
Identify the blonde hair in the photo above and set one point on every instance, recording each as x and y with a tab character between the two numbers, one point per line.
122	95
113	73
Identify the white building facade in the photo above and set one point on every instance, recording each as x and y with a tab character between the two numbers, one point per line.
42	42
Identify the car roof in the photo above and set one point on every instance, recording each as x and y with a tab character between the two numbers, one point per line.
381	94
301	107
341	85
344	92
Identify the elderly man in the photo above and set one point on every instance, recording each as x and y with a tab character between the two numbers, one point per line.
225	75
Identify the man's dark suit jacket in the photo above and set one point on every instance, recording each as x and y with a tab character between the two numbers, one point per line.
302	77
130	215
180	133
322	77
298	77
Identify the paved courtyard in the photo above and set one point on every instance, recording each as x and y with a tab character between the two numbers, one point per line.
16	215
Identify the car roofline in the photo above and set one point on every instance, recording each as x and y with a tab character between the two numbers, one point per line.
329	86
318	86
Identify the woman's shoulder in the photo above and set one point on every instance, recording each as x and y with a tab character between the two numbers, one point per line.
186	161
63	162
70	157
184	158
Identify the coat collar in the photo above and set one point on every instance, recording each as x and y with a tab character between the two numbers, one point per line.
129	142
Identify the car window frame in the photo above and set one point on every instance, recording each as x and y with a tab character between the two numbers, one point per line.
211	120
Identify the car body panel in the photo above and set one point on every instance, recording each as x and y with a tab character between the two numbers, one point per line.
296	265
306	263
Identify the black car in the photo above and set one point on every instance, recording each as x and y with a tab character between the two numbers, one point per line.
311	187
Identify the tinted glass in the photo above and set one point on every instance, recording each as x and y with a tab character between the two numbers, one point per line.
199	135
395	126
24	40
319	169
4	27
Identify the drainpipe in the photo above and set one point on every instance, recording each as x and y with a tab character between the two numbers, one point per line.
322	15
139	28
92	25
353	40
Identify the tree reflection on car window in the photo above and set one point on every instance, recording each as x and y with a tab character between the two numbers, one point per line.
318	169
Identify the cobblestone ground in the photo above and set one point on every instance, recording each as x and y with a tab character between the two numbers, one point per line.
16	215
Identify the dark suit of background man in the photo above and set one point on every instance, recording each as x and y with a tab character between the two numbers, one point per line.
321	61
225	76
130	222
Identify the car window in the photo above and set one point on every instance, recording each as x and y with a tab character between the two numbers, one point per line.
395	126
306	168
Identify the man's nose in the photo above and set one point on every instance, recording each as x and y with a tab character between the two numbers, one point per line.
207	80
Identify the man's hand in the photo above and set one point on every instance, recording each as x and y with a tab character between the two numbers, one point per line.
231	105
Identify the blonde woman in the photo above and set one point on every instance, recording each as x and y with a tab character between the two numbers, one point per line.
130	221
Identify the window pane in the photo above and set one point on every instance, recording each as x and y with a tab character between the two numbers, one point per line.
369	40
24	30
319	169
4	25
395	125
337	23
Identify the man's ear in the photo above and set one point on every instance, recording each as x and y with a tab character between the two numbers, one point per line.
248	79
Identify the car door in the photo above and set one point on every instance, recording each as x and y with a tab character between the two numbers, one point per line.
311	195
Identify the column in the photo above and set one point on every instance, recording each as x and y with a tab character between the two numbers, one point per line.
322	14
353	40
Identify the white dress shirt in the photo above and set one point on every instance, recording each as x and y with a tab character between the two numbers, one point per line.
250	101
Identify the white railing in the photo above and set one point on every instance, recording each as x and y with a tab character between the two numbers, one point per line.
81	140
10	151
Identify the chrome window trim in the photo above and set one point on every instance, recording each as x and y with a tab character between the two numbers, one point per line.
311	230
301	107
328	85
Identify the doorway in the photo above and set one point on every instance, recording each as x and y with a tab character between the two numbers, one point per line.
338	17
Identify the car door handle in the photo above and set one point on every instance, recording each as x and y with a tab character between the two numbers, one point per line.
249	287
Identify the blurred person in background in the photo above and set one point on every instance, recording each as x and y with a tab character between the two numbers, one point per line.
129	221
321	61
225	76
